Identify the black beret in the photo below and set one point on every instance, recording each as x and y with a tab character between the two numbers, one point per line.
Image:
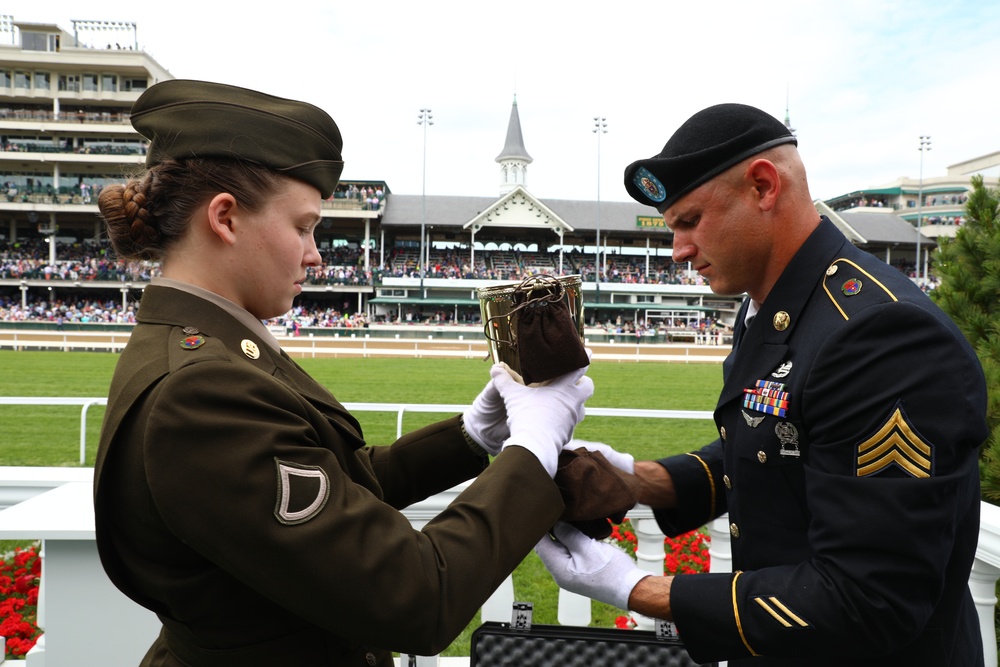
199	119
708	143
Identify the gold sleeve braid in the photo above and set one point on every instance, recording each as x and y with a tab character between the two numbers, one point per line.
736	615
711	485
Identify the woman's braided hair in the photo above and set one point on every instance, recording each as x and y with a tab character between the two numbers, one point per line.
150	213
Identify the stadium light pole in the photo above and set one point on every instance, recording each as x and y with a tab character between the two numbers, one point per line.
424	120
600	127
925	145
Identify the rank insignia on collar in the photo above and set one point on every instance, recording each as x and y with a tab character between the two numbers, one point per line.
752	422
783	370
895	445
193	342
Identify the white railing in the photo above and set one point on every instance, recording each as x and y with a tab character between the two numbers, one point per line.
78	603
399	408
413	344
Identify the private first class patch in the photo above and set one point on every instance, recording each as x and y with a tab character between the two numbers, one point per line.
302	492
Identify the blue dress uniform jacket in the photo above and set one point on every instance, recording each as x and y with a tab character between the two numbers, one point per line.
850	419
236	498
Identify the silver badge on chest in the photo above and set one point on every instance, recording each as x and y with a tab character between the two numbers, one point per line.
783	370
788	436
752	422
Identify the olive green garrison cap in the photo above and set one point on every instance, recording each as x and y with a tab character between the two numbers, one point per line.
183	118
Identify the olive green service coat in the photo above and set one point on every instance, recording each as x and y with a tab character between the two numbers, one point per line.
236	498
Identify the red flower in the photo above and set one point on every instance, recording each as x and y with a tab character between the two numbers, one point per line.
625	623
19	577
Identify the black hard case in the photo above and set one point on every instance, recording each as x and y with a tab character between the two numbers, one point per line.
498	645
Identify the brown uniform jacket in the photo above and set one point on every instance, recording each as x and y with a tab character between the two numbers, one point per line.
236	498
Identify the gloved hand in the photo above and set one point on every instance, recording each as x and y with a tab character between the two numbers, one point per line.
621	460
486	420
542	418
581	565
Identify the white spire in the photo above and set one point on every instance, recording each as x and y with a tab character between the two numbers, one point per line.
514	158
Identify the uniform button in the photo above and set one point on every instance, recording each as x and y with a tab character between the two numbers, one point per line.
370	658
762	457
734	530
722	433
728	482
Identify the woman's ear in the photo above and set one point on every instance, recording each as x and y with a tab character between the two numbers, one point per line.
222	211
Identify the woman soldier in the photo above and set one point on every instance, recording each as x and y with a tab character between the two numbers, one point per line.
235	497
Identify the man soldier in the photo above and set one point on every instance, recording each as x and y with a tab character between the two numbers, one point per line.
849	425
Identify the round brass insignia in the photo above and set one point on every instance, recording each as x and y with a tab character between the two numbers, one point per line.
781	320
250	348
832	269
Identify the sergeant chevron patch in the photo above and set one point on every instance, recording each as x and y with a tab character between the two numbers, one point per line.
895	444
780	613
302	492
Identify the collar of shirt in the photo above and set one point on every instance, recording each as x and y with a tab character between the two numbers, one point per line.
752	308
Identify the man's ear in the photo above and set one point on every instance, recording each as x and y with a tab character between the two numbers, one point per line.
222	210
766	181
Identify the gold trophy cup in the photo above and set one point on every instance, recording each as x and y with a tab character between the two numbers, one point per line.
502	306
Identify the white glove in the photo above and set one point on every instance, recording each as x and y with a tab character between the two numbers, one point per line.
621	460
542	418
486	420
582	565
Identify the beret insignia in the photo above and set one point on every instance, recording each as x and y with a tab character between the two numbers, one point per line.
650	185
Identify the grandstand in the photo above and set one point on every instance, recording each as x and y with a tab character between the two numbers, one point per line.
65	97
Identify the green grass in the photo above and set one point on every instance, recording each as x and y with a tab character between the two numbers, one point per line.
50	436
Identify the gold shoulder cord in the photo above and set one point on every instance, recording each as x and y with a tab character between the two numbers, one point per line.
867	275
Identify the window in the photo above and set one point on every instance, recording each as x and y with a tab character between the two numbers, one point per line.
21	80
129	85
5	78
109	83
34	41
90	82
69	83
43	81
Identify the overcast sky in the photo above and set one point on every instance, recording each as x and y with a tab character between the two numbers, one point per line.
863	79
